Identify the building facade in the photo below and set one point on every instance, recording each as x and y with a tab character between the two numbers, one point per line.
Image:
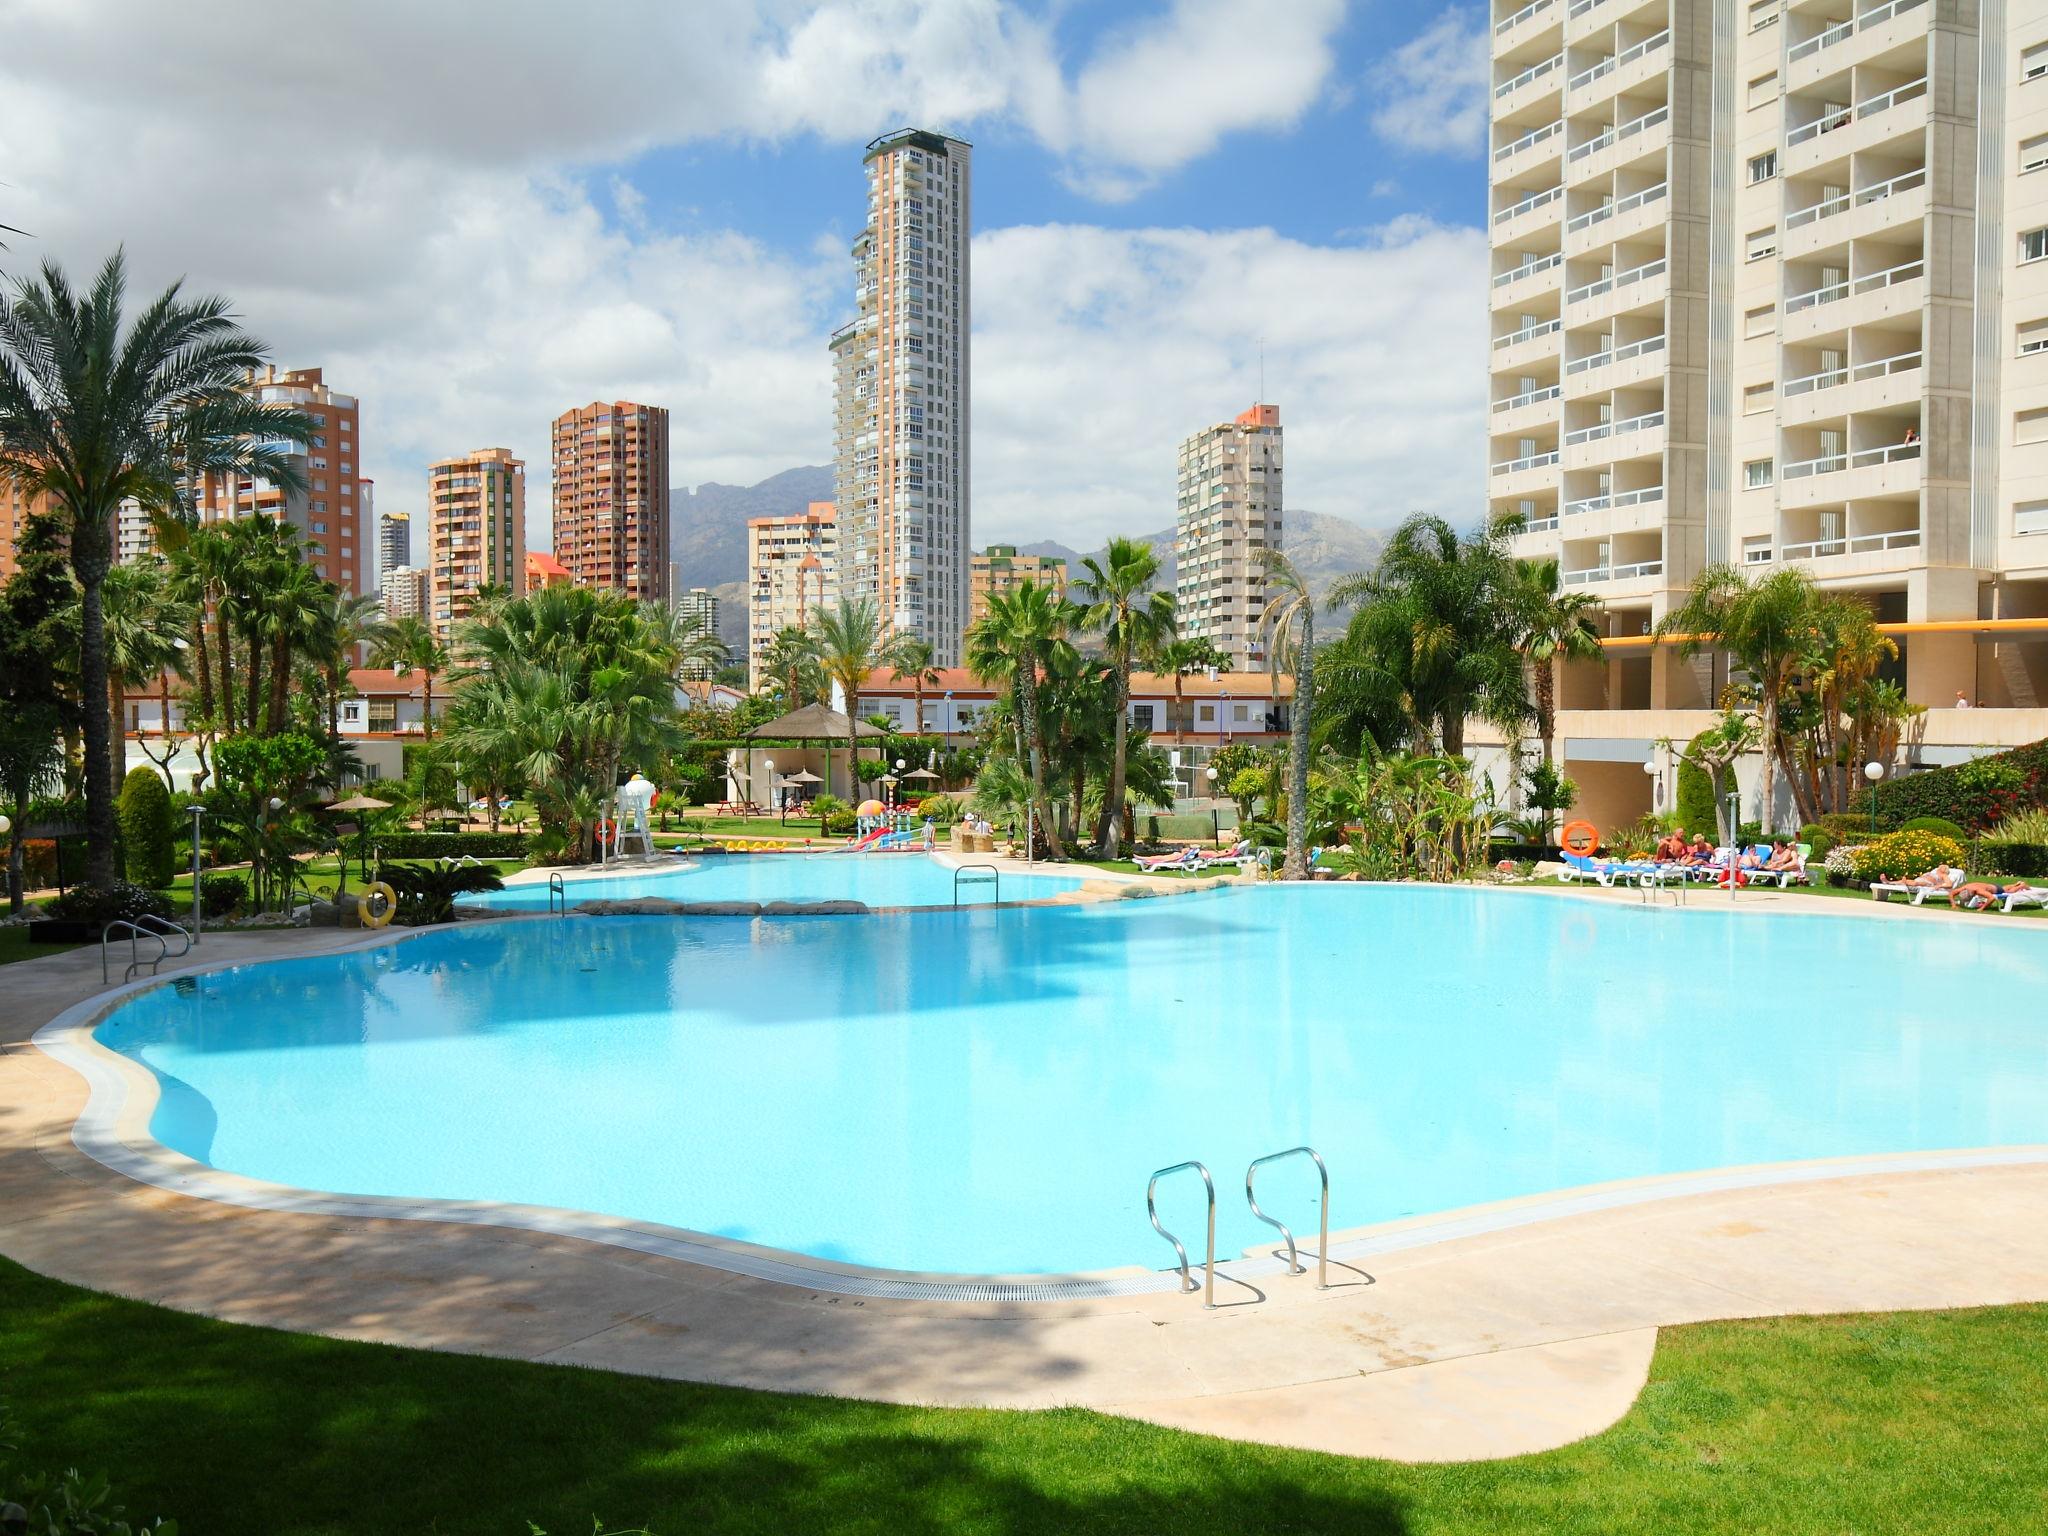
394	543
476	522
1770	288
1228	512
404	593
1000	569
902	470
699	606
544	570
611	497
792	573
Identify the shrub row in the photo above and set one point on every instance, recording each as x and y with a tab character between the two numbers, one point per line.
441	845
1899	854
1977	794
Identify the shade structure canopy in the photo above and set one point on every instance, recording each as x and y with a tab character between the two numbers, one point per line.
805	777
920	773
361	803
814	722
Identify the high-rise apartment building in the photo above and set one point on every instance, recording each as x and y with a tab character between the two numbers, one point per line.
699	605
792	572
1228	512
1000	569
611	497
394	543
476	521
1770	288
403	593
328	511
16	507
902	471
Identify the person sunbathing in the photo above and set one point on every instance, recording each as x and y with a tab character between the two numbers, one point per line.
1670	850
1784	856
1939	878
1750	859
1981	895
1701	852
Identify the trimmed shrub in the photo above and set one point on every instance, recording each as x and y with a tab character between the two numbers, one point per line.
944	810
221	894
1898	854
840	823
1695	794
149	843
1940	826
2023	861
1977	794
1819	843
442	845
99	906
1846	828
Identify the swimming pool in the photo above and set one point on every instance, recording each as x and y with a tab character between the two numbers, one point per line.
988	1091
879	879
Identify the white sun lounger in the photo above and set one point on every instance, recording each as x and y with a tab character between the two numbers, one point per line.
2032	896
1884	890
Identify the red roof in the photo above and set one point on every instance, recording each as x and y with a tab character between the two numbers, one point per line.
540	560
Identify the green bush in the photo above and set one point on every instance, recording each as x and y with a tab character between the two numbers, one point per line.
943	810
1844	827
1940	826
1819	843
1977	794
825	807
840	823
1899	854
221	894
99	906
149	841
443	845
1695	794
426	893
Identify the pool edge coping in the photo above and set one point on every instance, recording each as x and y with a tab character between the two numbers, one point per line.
112	1129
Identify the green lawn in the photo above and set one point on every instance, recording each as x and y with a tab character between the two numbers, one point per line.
744	826
14	945
1927	1422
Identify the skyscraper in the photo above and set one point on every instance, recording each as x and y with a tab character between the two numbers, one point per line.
476	518
1229	511
394	543
901	367
999	569
611	497
699	605
792	572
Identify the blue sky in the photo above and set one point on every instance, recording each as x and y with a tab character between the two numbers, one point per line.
476	215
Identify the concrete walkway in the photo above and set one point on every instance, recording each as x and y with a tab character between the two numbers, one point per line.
1498	1343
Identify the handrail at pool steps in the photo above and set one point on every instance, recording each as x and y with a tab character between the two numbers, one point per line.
1187	1282
136	934
1323	1240
557	891
984	874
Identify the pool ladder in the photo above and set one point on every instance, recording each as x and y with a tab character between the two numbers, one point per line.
557	892
978	874
160	929
1251	1174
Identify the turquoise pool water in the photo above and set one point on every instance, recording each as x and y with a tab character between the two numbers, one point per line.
987	1091
879	879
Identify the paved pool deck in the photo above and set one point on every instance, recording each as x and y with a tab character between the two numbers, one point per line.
1509	1339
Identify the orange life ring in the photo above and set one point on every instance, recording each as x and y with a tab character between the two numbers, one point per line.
1576	831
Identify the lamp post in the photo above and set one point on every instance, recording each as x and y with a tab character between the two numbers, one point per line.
1215	816
1734	841
773	789
946	723
198	812
1872	773
1656	784
1223	714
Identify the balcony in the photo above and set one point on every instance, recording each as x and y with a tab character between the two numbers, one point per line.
1870	282
1629	204
1605	573
1644	496
1617	283
1507	26
1515	339
1809	51
1525	410
1608	66
1620	134
1594	434
1527	205
1863	197
1529	461
1530	140
1863	111
1892	469
1634	349
1527	77
1515	283
1862	544
1821	385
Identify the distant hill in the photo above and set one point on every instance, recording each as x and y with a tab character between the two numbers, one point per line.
1325	548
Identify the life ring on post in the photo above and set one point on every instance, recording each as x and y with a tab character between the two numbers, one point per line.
1579	837
377	905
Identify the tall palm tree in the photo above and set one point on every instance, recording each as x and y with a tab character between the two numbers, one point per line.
696	650
93	410
1183	658
915	659
852	646
295	610
410	645
1556	626
1136	622
1022	636
349	627
1289	625
791	660
145	639
1766	626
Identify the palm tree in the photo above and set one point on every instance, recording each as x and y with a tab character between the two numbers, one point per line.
348	627
915	659
851	646
791	660
1556	626
1766	626
1289	627
94	412
410	645
295	609
1182	659
145	628
696	650
1136	622
1022	636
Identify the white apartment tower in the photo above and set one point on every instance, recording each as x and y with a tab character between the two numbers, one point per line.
901	367
1228	513
1768	287
792	574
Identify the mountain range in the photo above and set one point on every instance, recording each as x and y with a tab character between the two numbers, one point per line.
708	539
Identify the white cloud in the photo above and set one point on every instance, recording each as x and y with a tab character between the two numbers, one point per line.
1433	90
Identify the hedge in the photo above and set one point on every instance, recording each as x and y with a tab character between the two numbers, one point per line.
148	839
444	845
1977	794
1695	798
1940	826
2023	861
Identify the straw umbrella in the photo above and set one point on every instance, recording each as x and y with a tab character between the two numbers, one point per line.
358	803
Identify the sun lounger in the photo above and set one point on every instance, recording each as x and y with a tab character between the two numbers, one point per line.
1884	890
2032	896
1181	858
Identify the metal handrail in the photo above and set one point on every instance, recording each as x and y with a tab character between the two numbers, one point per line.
557	891
1187	1281
992	876
1323	1240
136	934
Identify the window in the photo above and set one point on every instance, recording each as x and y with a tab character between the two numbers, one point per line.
1756	549
2031	426
1763	167
1756	474
1206	713
2030	517
2033	245
1763	90
1763	244
1760	322
1759	397
1141	717
352	712
2034	62
2033	337
1762	14
2033	153
384	715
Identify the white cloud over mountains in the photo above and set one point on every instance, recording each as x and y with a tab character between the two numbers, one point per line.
397	192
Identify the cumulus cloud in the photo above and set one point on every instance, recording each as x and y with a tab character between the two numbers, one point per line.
1432	91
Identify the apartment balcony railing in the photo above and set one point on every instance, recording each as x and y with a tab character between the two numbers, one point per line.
1604	503
1528	204
1533	73
1882	367
1527	397
1857	113
1528	12
1593	434
1647	270
1862	544
1863	458
1870	282
1526	333
1614	355
1608	66
1643	124
1527	269
1595	573
1842	30
1627	204
1540	524
1906	181
1531	461
1529	140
